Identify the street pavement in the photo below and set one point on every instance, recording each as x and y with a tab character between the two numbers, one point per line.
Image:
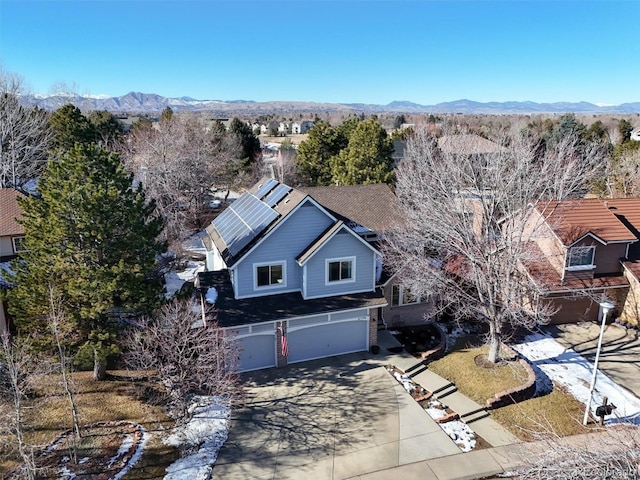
347	418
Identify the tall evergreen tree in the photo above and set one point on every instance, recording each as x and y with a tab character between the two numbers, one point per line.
69	127
314	154
107	128
368	157
91	239
249	144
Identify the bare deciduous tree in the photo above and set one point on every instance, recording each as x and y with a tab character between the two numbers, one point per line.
614	454
17	374
60	328
178	162
24	136
189	357
465	234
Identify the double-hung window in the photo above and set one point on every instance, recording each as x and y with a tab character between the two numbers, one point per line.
18	244
402	296
580	258
270	275
341	270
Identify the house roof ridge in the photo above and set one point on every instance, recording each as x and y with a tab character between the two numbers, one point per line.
573	219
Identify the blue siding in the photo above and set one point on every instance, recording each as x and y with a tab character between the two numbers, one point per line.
290	239
343	244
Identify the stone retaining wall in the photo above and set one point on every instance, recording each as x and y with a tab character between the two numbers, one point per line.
515	394
437	351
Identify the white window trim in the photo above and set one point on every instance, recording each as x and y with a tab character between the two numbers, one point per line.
13	242
340	259
401	296
577	268
282	263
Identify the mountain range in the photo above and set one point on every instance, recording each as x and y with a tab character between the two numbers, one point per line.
150	103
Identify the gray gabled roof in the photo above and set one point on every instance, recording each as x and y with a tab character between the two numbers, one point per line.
373	206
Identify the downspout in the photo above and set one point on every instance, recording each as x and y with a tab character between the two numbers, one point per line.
380	310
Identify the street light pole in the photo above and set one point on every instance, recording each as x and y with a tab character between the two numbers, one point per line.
606	307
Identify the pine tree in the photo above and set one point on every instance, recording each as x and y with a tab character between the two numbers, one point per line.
314	154
367	159
92	238
69	127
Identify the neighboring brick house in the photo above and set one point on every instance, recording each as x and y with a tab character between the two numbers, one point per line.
11	237
584	251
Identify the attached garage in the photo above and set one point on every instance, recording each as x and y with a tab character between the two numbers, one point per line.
327	335
257	344
574	309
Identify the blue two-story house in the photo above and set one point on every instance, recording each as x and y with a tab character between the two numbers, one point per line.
294	281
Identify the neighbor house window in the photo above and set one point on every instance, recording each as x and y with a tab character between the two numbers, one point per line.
341	270
270	275
402	296
18	244
581	257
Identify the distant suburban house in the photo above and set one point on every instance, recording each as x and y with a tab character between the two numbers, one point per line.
586	251
635	134
300	265
301	127
467	144
11	238
284	128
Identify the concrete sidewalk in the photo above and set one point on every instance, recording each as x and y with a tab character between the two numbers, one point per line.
492	462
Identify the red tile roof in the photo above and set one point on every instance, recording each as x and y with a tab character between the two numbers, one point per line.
627	210
573	219
10	212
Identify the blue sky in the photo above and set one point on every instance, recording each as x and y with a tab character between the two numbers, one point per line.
424	51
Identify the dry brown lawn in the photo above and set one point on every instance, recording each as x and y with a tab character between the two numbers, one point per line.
295	139
48	417
557	413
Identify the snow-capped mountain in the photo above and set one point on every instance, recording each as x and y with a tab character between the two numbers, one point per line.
136	102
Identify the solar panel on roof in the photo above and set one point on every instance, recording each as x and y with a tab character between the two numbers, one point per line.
265	188
242	221
277	194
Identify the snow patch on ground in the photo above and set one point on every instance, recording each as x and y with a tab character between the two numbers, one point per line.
405	381
204	434
458	431
136	455
175	280
571	370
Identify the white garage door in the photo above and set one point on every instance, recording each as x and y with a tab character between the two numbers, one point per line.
328	339
256	352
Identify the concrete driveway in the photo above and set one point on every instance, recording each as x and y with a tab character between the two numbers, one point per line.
335	418
301	420
620	354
